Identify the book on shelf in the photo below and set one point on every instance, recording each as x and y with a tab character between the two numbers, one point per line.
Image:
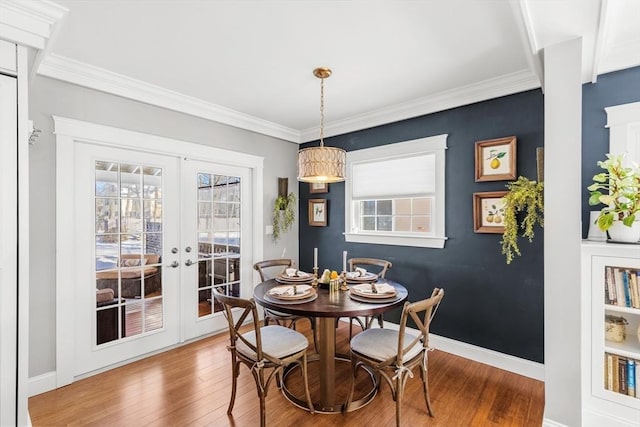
631	377
617	279
622	287
633	283
622	375
608	377
616	375
626	275
610	286
637	381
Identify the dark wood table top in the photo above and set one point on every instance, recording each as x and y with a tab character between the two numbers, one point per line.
329	304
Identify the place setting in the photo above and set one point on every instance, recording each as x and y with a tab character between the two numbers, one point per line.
291	294
293	275
360	275
374	292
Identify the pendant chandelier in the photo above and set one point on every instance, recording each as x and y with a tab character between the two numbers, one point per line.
322	164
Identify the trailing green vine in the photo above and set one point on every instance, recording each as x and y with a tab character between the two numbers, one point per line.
284	215
524	196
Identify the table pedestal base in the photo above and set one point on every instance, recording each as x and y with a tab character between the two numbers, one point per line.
328	407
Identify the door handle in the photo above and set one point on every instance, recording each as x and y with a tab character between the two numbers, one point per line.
174	264
188	262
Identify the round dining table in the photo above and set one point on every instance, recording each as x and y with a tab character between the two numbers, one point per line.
326	308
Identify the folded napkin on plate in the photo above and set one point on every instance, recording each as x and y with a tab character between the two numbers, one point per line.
291	272
359	272
382	288
288	290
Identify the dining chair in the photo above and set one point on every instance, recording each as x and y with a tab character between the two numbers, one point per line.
393	354
383	265
265	350
268	269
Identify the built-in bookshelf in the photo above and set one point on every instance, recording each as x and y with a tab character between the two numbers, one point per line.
621	321
611	342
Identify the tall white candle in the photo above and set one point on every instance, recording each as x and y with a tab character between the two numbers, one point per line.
315	257
344	261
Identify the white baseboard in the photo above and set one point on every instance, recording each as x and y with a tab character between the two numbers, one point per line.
41	383
550	423
496	359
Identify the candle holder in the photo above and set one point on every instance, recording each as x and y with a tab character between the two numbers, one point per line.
343	279
314	282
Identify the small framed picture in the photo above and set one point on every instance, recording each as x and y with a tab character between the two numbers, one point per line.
318	212
496	159
318	187
488	212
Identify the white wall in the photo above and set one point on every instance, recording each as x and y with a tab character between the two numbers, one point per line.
51	97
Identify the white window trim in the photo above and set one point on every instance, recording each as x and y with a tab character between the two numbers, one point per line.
434	144
623	122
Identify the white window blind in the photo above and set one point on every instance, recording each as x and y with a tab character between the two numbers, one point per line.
400	177
395	194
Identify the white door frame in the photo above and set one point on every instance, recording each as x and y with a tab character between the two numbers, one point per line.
67	132
8	241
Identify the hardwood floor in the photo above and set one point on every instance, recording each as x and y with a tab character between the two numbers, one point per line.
190	386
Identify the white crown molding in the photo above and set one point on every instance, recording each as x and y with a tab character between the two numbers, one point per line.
82	74
29	22
465	95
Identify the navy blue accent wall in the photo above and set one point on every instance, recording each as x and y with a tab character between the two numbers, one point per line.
620	87
487	303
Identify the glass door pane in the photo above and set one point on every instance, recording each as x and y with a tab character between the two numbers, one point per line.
218	236
128	250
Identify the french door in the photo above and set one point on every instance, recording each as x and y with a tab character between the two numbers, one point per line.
216	206
150	235
127	292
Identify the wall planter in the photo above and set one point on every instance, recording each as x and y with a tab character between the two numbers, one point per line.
284	210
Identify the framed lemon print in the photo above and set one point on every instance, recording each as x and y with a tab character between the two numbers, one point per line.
496	159
488	212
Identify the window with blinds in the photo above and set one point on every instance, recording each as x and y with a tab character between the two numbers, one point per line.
395	193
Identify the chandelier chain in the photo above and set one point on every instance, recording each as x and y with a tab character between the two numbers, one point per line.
322	112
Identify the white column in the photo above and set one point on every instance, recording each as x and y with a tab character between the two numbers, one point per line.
562	231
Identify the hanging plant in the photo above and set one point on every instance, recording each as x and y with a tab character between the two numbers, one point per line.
524	196
284	215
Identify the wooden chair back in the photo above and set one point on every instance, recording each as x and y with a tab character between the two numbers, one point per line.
383	264
237	318
421	312
266	270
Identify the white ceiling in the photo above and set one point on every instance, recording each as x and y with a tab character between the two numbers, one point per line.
249	63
